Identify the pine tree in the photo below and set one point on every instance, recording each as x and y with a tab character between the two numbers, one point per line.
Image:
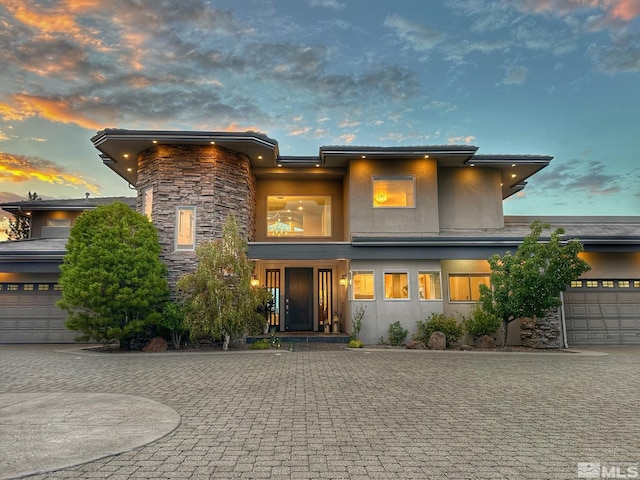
113	282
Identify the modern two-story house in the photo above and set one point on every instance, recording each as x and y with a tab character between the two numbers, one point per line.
402	231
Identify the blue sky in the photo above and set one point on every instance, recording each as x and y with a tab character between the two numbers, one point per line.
550	77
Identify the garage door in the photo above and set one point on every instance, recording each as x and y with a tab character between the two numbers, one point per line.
28	314
603	312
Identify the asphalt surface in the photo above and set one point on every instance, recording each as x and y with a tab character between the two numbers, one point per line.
333	414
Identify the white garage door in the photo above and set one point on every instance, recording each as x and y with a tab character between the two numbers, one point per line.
603	312
28	314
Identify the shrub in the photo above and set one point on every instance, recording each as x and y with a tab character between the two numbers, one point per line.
397	334
481	323
356	322
355	344
439	322
263	344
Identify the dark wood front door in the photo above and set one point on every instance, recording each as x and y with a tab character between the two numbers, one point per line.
298	300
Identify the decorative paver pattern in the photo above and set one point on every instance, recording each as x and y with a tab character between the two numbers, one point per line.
357	414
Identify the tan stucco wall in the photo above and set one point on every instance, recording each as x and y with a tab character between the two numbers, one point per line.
612	265
265	187
470	198
364	219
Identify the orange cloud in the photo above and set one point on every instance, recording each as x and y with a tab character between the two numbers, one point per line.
26	106
49	21
20	168
625	10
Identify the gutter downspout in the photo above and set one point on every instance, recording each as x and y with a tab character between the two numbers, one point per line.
563	322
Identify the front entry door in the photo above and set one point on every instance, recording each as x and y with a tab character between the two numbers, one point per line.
298	300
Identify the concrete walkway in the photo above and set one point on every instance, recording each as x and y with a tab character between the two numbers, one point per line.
379	414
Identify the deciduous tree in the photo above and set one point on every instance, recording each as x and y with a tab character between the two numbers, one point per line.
529	282
113	282
220	300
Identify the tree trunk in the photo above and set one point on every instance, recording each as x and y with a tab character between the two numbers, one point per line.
505	332
225	343
176	338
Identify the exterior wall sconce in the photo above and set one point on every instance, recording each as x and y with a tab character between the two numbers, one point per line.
254	281
343	281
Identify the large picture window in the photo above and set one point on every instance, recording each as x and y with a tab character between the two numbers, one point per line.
299	216
363	285
429	286
396	286
394	191
186	228
466	287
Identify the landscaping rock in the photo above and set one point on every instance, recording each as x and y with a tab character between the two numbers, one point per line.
157	344
437	341
466	347
416	345
485	341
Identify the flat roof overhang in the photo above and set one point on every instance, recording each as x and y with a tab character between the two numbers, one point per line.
120	148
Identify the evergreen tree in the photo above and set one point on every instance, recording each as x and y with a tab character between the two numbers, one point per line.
113	282
528	283
220	301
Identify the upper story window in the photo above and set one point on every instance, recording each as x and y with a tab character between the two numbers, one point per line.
363	285
147	202
429	286
466	287
299	216
186	228
394	191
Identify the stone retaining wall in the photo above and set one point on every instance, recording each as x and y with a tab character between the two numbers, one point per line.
541	332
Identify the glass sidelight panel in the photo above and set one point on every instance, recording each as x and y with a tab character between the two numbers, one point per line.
325	297
273	285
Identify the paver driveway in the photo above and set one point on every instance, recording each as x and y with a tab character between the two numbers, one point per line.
357	414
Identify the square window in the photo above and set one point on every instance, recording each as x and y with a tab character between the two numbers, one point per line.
28	287
396	286
636	284
186	228
592	284
394	192
298	215
43	287
624	284
363	285
576	284
466	287
429	286
607	283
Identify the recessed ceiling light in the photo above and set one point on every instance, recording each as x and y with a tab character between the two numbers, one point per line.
513	164
513	175
426	156
154	141
317	165
126	155
472	164
364	156
279	165
213	143
259	157
129	169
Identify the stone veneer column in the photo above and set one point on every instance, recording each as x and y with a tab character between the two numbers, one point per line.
217	181
541	332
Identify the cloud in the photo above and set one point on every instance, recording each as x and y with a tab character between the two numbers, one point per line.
515	75
468	140
457	51
20	168
588	177
419	37
621	57
333	4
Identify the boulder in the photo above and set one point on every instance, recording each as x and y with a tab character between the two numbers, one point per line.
485	341
437	341
416	345
157	344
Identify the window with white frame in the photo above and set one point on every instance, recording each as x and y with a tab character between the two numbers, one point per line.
465	287
394	191
363	285
429	287
299	215
147	202
396	286
186	228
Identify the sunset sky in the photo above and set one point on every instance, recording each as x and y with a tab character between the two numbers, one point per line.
549	77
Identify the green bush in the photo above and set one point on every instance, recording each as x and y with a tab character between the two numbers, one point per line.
439	322
481	323
397	334
263	344
356	321
355	344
